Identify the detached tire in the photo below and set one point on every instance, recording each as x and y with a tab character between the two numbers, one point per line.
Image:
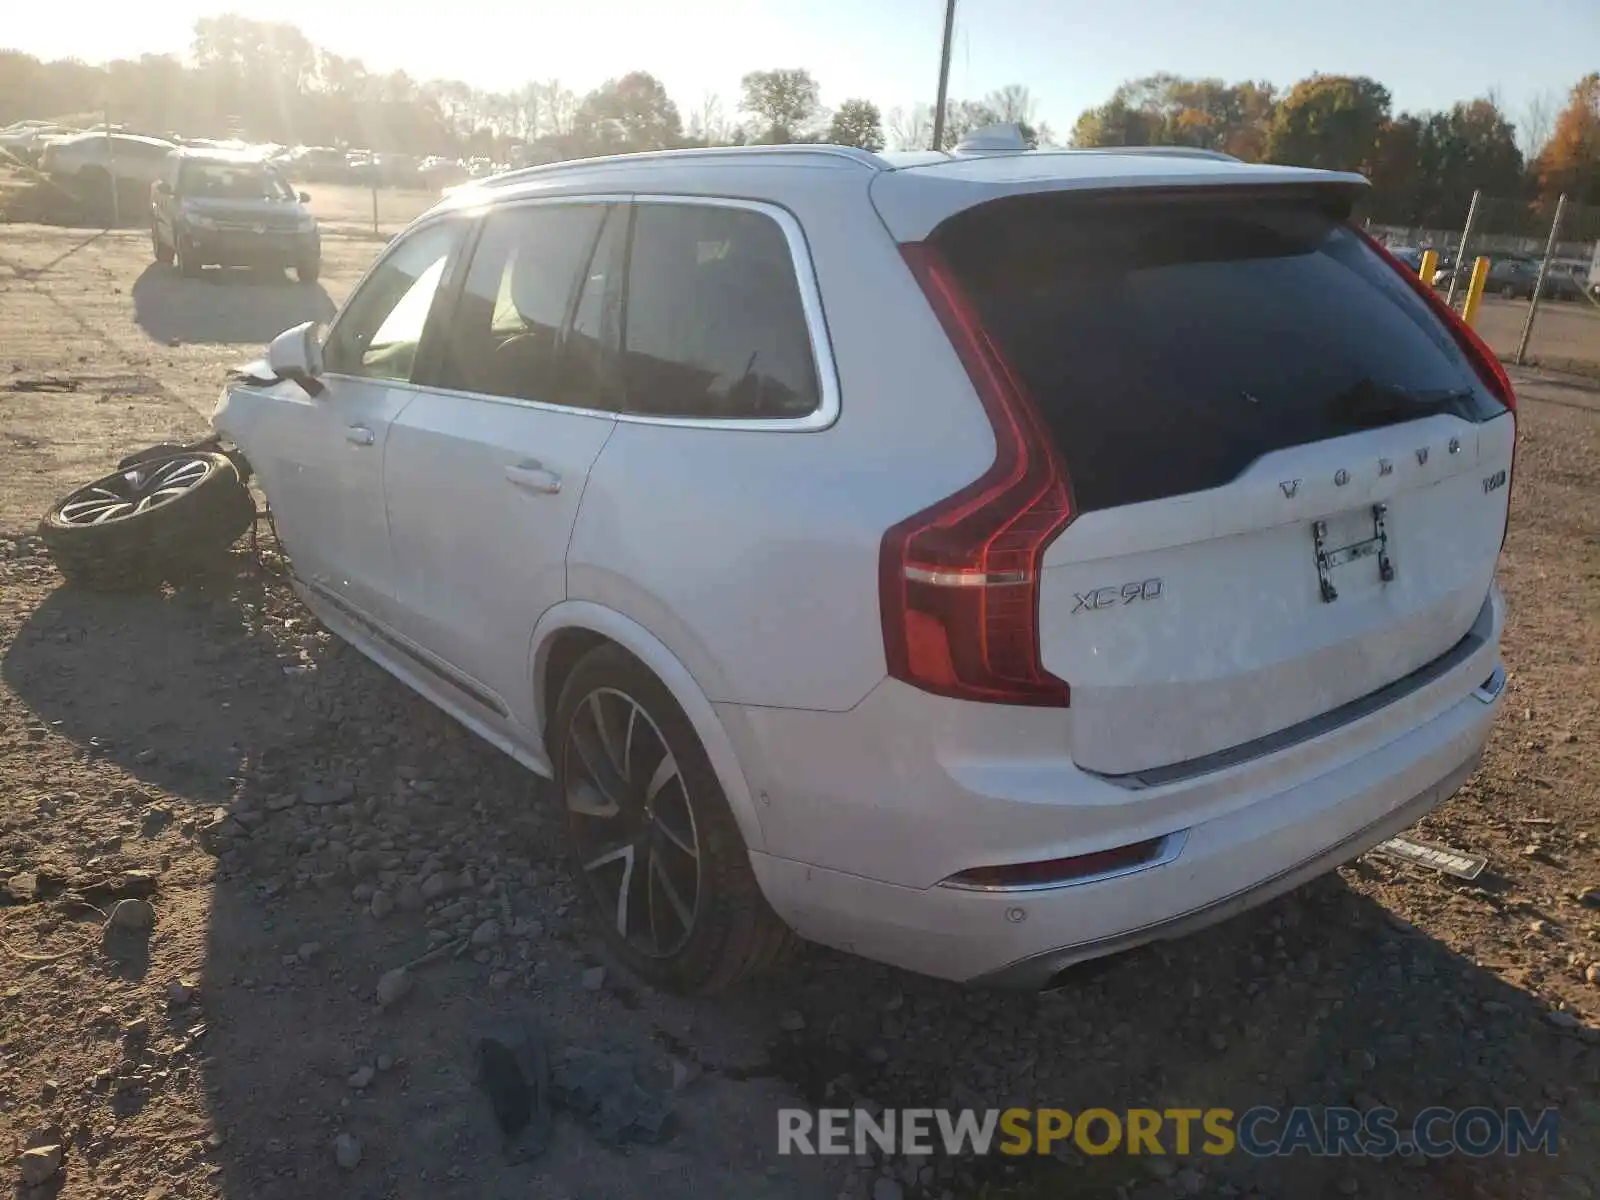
654	845
162	519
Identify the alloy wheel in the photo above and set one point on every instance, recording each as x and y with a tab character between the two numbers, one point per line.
136	490
633	825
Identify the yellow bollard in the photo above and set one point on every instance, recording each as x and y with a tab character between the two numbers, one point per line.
1430	266
1480	276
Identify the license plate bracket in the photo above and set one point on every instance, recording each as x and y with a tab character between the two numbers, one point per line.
1329	556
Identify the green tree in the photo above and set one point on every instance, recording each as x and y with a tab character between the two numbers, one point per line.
857	123
1117	123
1170	110
1330	121
631	113
786	101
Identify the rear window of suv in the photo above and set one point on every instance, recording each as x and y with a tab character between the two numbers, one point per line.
1171	342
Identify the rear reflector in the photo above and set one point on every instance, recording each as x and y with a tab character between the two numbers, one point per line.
1058	872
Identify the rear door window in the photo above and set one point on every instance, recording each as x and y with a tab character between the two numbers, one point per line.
1170	343
713	325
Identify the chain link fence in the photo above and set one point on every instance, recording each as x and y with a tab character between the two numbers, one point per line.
1541	303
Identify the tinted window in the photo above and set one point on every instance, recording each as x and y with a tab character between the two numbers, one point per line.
714	325
1171	344
378	333
505	339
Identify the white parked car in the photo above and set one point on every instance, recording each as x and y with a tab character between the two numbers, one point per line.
91	158
978	562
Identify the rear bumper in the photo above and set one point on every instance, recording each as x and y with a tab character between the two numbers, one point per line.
1037	971
1235	838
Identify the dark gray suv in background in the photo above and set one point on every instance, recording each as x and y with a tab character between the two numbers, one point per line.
215	207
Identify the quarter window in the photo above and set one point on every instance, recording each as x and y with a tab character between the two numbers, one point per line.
506	336
714	325
378	333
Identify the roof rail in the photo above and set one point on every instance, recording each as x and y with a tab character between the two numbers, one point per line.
864	158
1162	152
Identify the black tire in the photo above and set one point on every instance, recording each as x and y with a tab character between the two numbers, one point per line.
188	258
163	252
172	540
734	933
307	272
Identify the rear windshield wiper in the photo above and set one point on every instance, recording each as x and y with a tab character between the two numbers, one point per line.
1368	404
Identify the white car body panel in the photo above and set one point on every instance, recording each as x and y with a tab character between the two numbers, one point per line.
507	479
1258	733
1239	643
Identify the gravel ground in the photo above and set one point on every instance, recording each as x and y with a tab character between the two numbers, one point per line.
301	825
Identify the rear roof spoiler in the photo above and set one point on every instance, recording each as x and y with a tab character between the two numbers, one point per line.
914	201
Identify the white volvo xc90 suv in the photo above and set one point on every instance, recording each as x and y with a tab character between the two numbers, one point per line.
977	561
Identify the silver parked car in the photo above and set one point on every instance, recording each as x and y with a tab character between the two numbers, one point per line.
977	561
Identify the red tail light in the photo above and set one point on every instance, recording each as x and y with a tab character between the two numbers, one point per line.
959	582
1483	359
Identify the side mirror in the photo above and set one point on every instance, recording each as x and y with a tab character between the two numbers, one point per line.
297	354
163	188
305	197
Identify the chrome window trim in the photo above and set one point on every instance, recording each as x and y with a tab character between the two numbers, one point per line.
828	400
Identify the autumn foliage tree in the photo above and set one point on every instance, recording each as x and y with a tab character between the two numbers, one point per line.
1570	162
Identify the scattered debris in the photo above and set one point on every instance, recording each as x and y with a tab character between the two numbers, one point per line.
347	1151
362	1077
393	986
133	914
1451	861
514	1072
39	1164
791	1022
594	979
600	1090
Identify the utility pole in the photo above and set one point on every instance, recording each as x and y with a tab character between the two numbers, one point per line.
111	169
944	75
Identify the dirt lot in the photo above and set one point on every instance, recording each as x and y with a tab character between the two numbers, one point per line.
1566	334
274	786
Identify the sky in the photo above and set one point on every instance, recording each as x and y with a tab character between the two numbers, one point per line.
1070	53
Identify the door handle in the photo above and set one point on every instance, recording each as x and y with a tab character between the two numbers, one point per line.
534	477
359	434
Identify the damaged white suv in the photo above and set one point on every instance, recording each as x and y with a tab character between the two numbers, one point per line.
978	562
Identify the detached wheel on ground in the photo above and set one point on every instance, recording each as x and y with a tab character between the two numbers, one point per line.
162	519
307	272
653	842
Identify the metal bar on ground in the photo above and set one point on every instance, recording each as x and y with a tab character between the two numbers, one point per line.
1461	252
1538	286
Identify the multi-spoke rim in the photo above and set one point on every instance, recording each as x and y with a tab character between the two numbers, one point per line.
134	491
633	826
